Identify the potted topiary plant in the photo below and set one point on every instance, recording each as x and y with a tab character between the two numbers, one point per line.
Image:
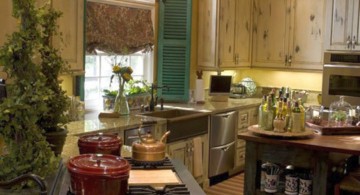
52	65
27	150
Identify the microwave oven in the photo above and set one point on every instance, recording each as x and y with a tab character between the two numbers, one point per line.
341	77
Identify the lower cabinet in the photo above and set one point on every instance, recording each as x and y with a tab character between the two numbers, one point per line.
246	118
191	152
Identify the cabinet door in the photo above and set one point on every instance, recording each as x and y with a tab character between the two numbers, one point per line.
227	21
306	34
207	31
235	33
7	21
270	33
339	24
356	25
243	35
179	151
71	26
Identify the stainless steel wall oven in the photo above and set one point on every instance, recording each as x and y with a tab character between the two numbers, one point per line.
341	77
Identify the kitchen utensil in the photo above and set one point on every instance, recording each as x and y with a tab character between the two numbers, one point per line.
100	143
148	149
93	174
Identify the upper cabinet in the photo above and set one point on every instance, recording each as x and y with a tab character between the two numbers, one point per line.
207	34
224	33
235	33
71	25
343	25
288	34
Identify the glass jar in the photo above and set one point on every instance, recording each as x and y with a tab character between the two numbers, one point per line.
340	113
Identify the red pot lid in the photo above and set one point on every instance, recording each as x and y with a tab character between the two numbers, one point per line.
99	165
100	139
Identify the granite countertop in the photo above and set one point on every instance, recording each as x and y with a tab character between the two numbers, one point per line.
94	124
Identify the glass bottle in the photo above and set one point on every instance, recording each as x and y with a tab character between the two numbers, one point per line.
288	116
297	119
269	115
261	113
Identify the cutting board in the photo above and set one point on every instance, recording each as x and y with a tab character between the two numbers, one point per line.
154	178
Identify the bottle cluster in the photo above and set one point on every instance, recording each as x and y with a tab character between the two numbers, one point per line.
281	113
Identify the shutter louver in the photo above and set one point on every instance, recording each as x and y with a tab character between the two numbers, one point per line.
174	49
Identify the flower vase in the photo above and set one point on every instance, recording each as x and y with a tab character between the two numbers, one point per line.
121	105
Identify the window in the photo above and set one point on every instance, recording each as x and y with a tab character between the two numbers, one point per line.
124	29
98	70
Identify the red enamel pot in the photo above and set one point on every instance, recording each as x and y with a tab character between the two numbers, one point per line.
94	174
100	143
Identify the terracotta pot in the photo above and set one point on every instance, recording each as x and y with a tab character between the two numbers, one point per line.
148	149
94	174
100	143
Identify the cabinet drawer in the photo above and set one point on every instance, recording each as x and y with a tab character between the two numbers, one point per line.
240	143
243	120
240	157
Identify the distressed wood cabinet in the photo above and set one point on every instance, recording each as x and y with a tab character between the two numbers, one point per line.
184	151
343	25
224	33
246	118
70	25
207	34
235	35
288	34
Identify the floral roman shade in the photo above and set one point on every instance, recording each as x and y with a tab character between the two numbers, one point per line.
118	29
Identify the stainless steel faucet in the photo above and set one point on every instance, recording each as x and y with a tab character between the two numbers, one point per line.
153	100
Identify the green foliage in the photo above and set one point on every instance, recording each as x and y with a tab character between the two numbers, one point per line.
339	115
24	57
110	93
51	66
137	87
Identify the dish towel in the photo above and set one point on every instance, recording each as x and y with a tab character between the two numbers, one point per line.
198	154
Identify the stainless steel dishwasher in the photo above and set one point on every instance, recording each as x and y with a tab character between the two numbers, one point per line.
222	143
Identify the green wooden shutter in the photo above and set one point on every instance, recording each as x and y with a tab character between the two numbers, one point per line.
174	49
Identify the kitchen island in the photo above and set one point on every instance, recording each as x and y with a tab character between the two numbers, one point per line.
316	153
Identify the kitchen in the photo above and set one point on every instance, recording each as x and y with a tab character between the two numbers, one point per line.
270	76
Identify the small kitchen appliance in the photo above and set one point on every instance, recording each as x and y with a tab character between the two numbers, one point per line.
341	77
237	90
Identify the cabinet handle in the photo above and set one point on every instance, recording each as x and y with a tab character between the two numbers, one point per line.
286	60
348	42
290	60
353	42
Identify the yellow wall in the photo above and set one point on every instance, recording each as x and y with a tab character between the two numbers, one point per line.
67	84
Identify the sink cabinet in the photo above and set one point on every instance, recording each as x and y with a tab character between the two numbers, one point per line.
184	151
342	25
246	118
228	23
288	34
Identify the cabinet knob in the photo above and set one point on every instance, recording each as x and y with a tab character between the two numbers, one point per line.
353	42
348	42
290	60
237	58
